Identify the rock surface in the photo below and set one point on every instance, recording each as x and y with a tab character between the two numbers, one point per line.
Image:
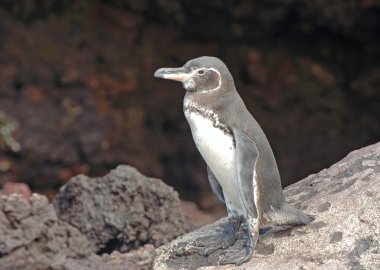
32	237
345	234
122	210
16	187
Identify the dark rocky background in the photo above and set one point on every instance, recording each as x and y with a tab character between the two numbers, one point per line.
77	93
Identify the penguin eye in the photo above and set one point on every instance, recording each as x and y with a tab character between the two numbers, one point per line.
201	71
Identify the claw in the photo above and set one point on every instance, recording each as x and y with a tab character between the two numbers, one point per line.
211	249
247	257
242	254
238	258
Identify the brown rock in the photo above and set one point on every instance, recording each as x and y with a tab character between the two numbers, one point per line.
140	259
19	188
122	210
32	237
345	234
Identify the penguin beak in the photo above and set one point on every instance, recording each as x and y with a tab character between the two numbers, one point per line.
180	74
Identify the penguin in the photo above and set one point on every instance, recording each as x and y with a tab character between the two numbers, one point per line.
241	167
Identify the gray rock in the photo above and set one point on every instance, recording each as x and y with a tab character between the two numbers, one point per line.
121	211
32	237
345	199
140	259
122	206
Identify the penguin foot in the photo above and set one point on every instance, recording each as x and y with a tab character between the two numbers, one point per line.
219	241
240	255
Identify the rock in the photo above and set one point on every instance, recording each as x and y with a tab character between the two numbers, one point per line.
142	258
345	199
15	187
32	237
122	211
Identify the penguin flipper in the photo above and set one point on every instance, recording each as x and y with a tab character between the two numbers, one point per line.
215	186
246	158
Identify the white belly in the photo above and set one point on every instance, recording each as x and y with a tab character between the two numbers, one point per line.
218	150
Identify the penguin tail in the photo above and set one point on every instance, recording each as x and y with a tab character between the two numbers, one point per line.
290	216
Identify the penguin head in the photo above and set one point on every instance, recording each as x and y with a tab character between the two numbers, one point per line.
203	74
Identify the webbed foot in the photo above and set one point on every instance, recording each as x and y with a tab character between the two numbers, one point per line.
241	254
220	241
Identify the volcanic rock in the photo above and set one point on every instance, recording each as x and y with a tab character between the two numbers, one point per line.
345	199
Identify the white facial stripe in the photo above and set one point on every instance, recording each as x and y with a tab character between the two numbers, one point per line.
188	81
219	79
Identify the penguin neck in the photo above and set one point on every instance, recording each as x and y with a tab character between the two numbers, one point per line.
219	100
206	98
208	106
201	101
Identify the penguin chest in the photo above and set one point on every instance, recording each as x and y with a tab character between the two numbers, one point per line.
218	150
